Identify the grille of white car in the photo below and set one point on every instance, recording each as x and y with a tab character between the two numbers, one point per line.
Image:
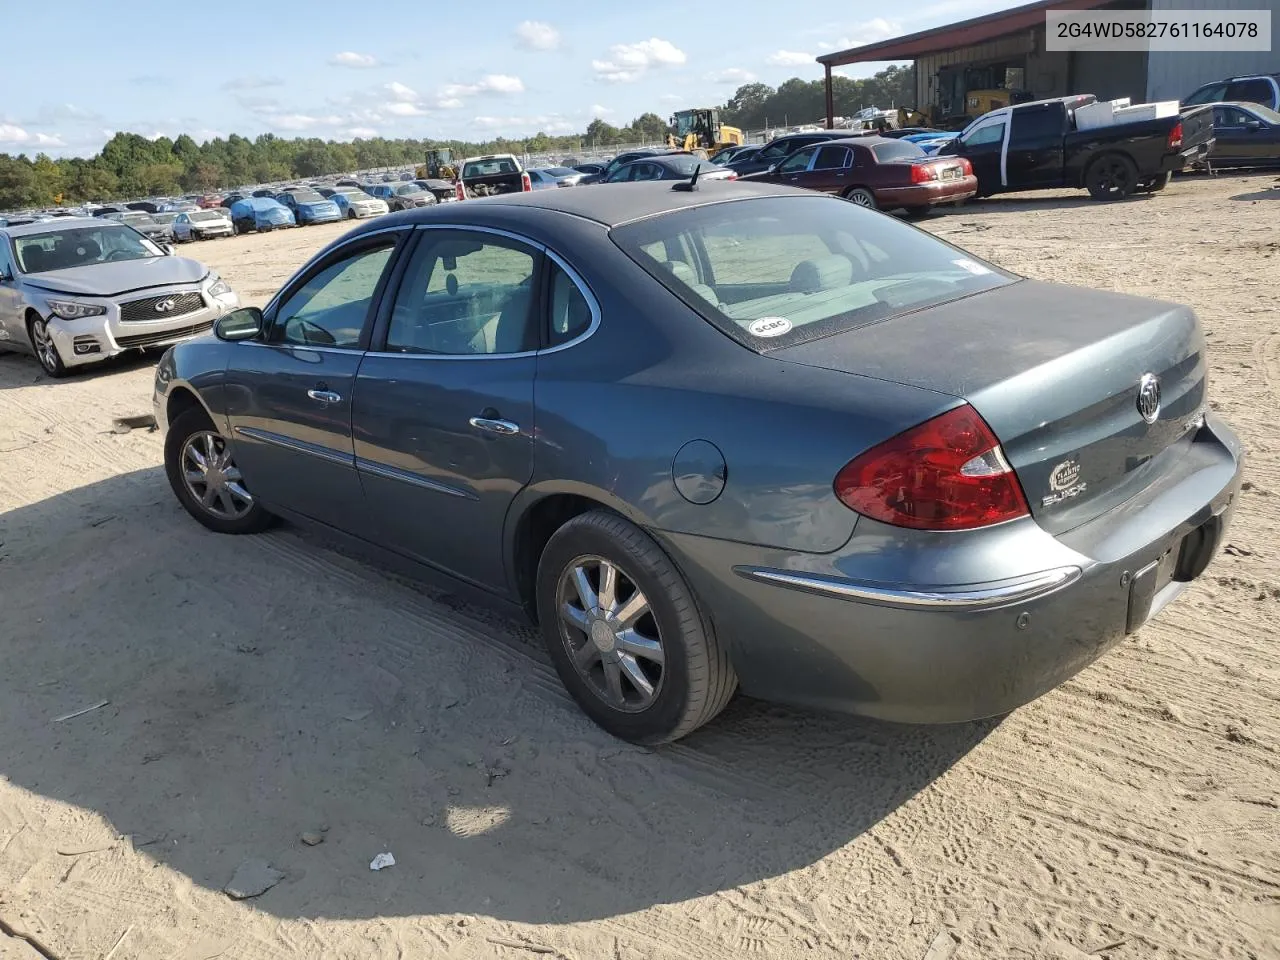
161	308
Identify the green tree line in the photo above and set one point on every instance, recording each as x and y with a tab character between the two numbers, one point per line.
130	165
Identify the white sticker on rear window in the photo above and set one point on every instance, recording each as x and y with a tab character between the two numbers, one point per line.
769	327
976	269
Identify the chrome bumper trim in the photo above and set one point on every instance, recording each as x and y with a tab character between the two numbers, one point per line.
968	597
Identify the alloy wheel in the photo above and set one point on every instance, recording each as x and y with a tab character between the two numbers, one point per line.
212	478
46	349
610	633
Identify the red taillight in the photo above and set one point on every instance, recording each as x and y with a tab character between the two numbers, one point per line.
966	168
923	172
948	473
526	185
460	191
1175	136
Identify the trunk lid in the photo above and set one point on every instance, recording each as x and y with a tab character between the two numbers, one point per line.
1197	126
1056	372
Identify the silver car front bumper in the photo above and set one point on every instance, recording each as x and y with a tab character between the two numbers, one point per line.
90	339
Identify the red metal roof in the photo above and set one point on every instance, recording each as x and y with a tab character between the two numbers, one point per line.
962	34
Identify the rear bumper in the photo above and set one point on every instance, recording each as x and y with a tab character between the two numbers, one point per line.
937	645
1187	158
927	194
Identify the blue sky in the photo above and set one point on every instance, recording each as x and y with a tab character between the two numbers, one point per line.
397	68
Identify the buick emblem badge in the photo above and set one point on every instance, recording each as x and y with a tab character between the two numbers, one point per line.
1149	397
164	306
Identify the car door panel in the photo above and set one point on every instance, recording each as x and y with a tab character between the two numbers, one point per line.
443	442
288	397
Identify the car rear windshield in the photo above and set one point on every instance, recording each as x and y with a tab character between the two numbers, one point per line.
488	168
897	150
775	271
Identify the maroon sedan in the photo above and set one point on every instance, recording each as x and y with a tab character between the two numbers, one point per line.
876	172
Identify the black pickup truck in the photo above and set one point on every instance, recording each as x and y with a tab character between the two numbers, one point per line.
491	176
1036	146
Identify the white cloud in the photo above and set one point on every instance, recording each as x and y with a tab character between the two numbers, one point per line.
400	92
363	133
732	75
672	98
492	83
629	61
399	108
349	58
13	135
536	35
860	34
789	58
598	110
448	103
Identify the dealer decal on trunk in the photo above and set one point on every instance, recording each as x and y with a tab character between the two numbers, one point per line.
1065	482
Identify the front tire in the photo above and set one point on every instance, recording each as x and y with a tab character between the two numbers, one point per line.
625	633
45	349
205	478
862	197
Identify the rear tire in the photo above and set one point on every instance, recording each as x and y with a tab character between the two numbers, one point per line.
861	197
191	438
590	637
1112	176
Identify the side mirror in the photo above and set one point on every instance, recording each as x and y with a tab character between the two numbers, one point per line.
6	276
773	168
166	249
1254	125
246	323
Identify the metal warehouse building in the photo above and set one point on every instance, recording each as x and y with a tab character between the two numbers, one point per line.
1007	50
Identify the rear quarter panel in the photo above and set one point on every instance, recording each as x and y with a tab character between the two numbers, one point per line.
614	409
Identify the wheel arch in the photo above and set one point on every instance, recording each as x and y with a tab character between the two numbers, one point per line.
536	515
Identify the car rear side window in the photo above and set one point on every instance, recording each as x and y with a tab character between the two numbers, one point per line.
569	312
770	272
832	158
465	294
1257	90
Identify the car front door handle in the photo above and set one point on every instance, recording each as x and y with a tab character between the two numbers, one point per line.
493	425
324	396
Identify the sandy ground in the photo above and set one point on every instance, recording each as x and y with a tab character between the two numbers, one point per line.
259	688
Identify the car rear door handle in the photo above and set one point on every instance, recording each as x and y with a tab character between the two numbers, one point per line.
504	427
324	396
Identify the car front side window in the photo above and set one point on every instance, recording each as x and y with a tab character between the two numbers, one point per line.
331	307
992	133
466	294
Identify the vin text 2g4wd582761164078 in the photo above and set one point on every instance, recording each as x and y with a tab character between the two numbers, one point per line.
726	435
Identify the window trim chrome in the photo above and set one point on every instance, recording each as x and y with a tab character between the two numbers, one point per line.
978	596
583	287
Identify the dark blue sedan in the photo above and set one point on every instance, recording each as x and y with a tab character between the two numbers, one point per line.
720	436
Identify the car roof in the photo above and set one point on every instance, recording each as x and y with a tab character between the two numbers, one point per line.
58	224
617	203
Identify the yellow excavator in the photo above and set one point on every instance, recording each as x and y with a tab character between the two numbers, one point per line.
701	128
439	166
